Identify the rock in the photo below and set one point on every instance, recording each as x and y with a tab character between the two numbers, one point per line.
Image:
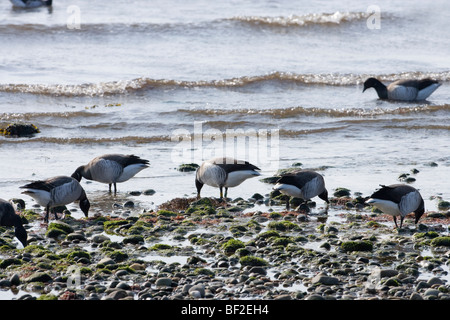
15	279
75	236
257	196
197	291
20	130
149	192
133	239
116	295
431	292
106	261
363	245
123	285
315	297
137	266
99	238
187	167
341	192
283	297
435	280
163	282
382	273
5	283
39	277
324	279
129	204
415	296
258	270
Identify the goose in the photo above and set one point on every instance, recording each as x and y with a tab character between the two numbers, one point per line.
57	191
305	184
9	218
398	200
111	169
31	3
403	90
224	172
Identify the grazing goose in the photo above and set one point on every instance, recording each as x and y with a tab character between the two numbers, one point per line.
398	200
403	90
302	184
31	3
111	168
57	191
225	173
9	218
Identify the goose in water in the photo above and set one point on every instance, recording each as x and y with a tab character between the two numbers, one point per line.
224	172
57	191
31	3
403	90
398	200
111	169
303	184
9	218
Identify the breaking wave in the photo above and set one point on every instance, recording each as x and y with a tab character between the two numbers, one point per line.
145	84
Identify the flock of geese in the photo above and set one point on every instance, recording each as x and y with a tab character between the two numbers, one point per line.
222	173
397	200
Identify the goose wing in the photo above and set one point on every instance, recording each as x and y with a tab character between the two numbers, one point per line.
230	164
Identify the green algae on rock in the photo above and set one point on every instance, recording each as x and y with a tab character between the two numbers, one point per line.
20	130
363	245
187	167
232	245
441	241
253	261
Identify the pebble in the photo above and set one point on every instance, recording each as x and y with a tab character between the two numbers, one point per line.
301	268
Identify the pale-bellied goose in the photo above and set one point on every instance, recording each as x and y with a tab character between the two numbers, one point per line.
31	3
398	200
403	90
9	218
111	168
224	172
57	191
303	184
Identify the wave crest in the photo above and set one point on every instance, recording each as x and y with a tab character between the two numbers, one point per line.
303	20
143	83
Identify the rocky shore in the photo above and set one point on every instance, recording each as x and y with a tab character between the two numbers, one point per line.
242	249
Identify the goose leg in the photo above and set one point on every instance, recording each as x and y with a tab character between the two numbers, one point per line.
110	187
115	188
56	215
395	221
288	205
47	210
226	192
401	221
221	192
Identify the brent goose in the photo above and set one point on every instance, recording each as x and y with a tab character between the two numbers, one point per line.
303	184
403	90
31	3
9	218
398	200
57	191
224	172
111	168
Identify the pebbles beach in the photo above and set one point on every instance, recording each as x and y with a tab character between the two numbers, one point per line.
244	249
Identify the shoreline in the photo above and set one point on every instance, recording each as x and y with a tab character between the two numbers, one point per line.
191	249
